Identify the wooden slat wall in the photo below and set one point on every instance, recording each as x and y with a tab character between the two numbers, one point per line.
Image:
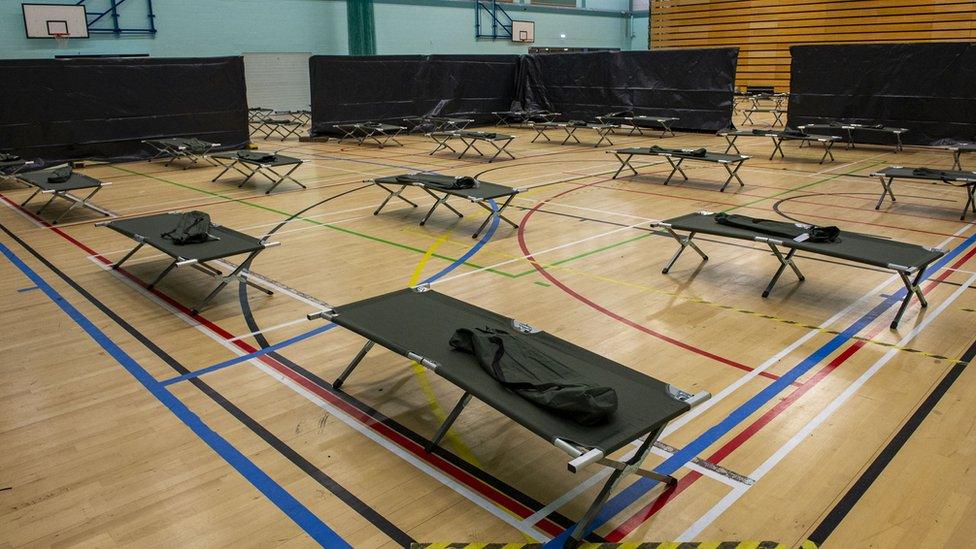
765	29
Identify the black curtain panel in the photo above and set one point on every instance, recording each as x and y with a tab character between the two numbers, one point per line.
388	88
68	109
696	85
929	88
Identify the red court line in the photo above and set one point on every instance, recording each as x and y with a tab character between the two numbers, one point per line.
579	297
500	498
649	510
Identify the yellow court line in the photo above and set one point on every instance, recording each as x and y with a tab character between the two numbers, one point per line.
421	373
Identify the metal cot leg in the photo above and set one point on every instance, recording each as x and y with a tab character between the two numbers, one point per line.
162	274
684	242
732	175
912	289
631	465
119	263
392	194
783	263
451	418
675	167
886	190
352	365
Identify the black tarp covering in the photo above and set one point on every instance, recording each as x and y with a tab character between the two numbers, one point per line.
61	109
390	87
695	86
929	88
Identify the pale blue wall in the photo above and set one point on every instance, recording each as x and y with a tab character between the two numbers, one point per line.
204	28
639	31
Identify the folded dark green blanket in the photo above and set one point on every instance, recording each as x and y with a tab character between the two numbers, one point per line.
536	375
60	174
439	181
930	172
793	231
257	156
698	153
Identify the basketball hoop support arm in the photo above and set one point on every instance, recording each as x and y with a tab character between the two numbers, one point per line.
115	29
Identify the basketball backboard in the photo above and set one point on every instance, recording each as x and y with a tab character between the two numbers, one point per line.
55	21
523	31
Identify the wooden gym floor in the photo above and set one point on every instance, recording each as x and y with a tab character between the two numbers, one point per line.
843	429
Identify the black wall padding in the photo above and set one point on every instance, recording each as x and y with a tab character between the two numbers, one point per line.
390	87
695	86
61	109
929	88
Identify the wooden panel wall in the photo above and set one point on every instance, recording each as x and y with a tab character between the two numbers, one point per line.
765	29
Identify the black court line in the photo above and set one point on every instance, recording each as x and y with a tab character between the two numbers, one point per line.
877	467
347	497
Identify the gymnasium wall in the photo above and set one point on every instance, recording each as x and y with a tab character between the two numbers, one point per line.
189	28
764	30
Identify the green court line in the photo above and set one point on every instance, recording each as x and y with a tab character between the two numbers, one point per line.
452	259
801	187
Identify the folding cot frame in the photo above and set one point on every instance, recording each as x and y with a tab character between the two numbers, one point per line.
254	113
172	148
967	181
10	168
776	112
905	272
374	131
957	151
663	122
254	167
676	166
275	126
441	123
851	128
507	118
777	98
581	455
469	138
77	182
602	130
441	195
778	137
201	261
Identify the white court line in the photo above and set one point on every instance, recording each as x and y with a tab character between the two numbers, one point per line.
535	254
396	450
601	476
269	329
804	433
605	212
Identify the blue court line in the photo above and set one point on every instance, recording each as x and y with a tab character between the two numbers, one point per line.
261	352
304	518
677	460
249	356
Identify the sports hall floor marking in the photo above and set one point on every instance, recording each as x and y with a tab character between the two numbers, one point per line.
860	486
291	507
683	420
500	504
633	492
808	429
496	498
